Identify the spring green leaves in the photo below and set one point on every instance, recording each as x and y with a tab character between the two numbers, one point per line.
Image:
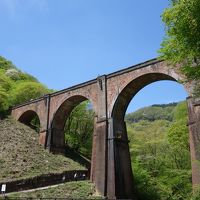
17	87
181	44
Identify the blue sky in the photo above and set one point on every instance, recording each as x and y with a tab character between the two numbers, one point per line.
66	42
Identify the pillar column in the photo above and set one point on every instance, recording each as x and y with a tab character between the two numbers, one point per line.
119	161
111	187
194	136
98	164
42	137
48	130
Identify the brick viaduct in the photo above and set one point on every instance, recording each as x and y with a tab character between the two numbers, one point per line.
110	96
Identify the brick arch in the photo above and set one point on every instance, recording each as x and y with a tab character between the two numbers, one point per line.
123	170
59	98
59	120
27	116
122	101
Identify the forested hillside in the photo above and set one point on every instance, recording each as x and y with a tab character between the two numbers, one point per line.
152	113
159	145
17	87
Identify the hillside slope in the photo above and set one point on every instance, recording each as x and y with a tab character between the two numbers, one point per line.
152	113
17	87
21	156
159	148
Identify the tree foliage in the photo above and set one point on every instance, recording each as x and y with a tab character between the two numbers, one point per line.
17	75
79	129
152	113
17	87
160	156
5	64
4	105
25	91
5	82
182	41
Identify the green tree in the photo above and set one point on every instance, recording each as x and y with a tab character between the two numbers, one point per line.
3	102
5	82
17	75
17	87
5	86
182	41
160	153
79	129
5	64
25	91
152	113
180	112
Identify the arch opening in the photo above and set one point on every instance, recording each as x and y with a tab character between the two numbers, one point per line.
128	93
72	129
31	119
156	134
79	129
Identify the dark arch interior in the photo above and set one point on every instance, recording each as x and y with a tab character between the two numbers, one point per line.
132	89
31	119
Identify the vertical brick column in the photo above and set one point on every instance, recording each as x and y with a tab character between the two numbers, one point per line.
98	165
119	161
194	135
111	185
42	137
48	128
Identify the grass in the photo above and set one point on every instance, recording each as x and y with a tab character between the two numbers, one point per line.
70	190
22	157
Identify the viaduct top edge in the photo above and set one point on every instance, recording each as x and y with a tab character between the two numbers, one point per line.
110	75
135	67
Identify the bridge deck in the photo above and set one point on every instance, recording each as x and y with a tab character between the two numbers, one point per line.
110	75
